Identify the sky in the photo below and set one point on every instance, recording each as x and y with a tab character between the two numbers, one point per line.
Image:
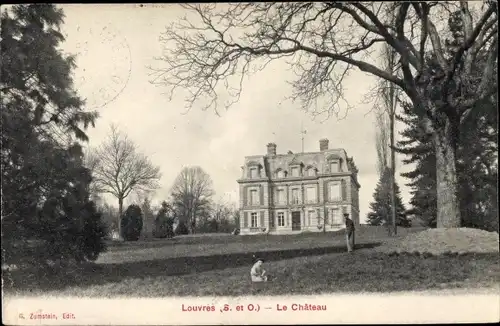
115	45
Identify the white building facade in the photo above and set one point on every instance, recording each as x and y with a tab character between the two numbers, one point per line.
293	193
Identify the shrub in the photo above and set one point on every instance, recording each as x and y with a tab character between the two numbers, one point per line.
181	228
131	223
91	238
62	230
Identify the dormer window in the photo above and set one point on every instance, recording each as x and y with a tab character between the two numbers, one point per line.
254	170
333	163
334	166
295	171
280	174
311	172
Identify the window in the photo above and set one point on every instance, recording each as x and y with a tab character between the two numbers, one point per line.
280	174
335	191
311	172
311	194
295	196
253	222
253	173
295	172
310	217
336	217
334	166
281	219
254	198
280	196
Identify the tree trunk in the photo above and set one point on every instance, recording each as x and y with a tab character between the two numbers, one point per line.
324	221
193	222
120	213
393	172
448	206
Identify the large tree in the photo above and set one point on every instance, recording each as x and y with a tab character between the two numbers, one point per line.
324	42
121	168
476	145
44	185
477	168
191	195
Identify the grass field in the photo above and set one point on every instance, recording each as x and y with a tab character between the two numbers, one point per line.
220	265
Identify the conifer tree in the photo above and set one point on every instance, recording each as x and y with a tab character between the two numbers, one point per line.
381	206
44	183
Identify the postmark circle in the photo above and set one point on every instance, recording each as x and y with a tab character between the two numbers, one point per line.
104	63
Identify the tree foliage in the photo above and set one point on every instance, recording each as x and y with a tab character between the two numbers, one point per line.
149	217
45	200
164	222
220	220
131	223
191	194
110	216
381	207
210	52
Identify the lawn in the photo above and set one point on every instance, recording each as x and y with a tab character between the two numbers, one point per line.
220	265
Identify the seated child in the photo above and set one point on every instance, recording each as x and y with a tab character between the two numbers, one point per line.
257	273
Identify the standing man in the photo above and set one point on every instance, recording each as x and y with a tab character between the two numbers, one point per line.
349	232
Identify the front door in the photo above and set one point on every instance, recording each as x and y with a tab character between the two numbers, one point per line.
295	221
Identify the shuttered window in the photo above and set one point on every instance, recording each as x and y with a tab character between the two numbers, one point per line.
295	196
280	196
281	219
336	216
245	220
254	197
311	194
253	222
335	191
310	217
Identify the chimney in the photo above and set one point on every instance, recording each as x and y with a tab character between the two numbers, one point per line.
323	144
271	149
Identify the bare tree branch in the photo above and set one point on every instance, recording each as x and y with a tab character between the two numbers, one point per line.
118	168
192	192
200	61
207	55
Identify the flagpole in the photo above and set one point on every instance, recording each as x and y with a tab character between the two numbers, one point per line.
302	133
